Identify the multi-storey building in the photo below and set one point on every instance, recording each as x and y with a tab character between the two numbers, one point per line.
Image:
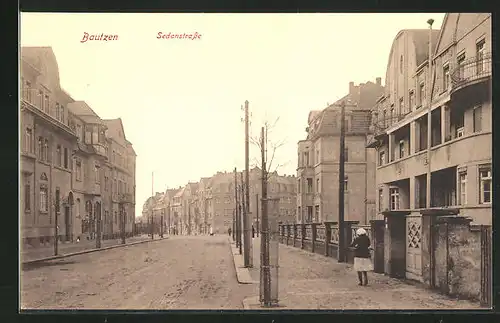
319	155
191	213
204	204
176	211
64	158
222	190
434	153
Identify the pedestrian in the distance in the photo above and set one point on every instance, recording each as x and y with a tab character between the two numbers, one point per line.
253	231
229	231
362	257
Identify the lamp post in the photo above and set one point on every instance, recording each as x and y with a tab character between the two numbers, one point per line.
342	242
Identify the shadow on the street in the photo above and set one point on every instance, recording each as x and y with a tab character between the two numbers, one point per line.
48	263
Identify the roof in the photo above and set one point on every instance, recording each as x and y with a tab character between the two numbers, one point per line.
115	128
84	112
180	192
44	61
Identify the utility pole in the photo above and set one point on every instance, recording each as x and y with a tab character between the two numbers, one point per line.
342	242
122	215
429	118
98	225
247	223
234	224
161	227
237	211
264	240
152	204
56	219
247	238
257	211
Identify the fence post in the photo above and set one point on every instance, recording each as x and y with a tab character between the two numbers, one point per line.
303	237
313	238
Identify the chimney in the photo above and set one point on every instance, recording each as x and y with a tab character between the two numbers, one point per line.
351	87
379	80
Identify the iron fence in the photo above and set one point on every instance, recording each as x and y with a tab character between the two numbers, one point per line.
471	70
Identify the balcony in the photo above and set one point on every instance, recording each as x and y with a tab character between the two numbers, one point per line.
477	145
471	71
46	110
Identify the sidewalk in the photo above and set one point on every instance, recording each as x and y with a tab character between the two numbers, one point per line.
68	248
312	281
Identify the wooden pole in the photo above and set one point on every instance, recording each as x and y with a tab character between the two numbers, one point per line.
342	242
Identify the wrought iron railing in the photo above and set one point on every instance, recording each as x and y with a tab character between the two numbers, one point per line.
381	123
471	69
320	232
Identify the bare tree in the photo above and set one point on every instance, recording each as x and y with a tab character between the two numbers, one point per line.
270	147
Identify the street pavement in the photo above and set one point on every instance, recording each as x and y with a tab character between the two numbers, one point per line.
313	281
31	253
181	272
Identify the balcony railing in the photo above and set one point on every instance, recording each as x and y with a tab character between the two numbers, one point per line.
380	123
47	109
471	70
125	198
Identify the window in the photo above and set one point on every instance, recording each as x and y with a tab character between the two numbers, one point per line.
28	91
79	132
27	196
480	56
317	185
401	148
66	158
394	192
485	185
46	150
88	135
58	112
346	186
346	154
40	147
298	188
106	182
46	104
446	77
477	119
306	157
44	199
401	64
381	158
316	214
380	199
411	100
78	164
95	135
309	185
460	63
28	140
58	155
421	94
463	188
62	114
402	106
460	132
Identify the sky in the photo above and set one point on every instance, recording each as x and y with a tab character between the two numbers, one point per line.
180	99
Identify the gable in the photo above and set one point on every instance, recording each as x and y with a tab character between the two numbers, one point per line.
447	32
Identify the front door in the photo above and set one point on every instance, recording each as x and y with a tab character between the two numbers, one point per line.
414	247
67	223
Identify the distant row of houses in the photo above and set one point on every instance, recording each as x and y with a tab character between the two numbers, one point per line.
75	167
210	202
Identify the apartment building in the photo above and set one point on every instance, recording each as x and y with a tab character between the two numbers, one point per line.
435	146
191	214
176	210
205	204
319	155
222	201
64	159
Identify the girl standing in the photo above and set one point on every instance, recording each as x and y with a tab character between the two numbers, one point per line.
362	256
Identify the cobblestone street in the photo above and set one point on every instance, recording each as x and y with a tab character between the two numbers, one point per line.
178	273
312	281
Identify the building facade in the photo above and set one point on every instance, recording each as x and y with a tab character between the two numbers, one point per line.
319	155
434	152
64	158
